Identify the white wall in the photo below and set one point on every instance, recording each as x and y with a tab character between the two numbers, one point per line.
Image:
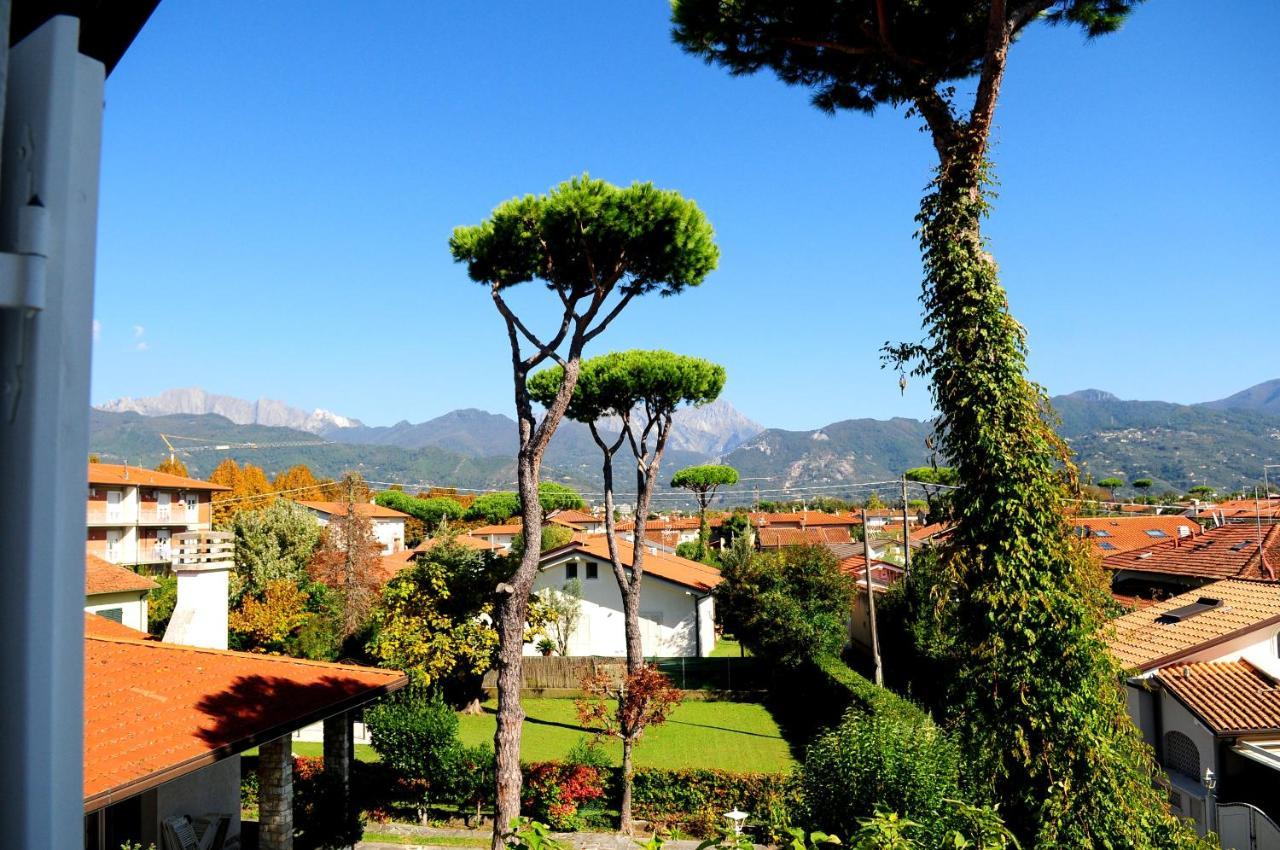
210	790
601	629
390	533
132	604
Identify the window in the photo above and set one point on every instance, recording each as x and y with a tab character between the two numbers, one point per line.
570	571
1180	754
593	571
116	614
1105	545
1155	532
1101	532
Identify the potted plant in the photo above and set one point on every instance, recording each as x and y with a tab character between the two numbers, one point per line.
546	646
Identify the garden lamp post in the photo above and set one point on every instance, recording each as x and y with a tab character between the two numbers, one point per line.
737	818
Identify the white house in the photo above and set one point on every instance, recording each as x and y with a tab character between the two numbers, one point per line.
677	611
388	524
1203	689
116	593
499	536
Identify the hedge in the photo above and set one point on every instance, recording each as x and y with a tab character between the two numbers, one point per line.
698	799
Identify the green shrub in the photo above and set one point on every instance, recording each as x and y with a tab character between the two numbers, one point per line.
416	735
880	759
160	603
589	752
698	799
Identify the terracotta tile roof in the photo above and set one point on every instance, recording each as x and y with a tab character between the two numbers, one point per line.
362	508
1230	697
103	577
883	574
477	543
673	568
1229	551
1116	535
116	473
675	523
1141	641
930	531
807	518
154	711
96	626
1245	508
575	517
770	537
389	566
507	528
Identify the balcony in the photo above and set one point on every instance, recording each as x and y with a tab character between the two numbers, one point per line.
103	514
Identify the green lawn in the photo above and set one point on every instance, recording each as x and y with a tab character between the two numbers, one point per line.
738	736
728	648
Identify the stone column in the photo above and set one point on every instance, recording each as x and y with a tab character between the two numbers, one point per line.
339	753
275	795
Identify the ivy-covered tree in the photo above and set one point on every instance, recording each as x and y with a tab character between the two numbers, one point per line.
642	390
703	482
1036	698
596	247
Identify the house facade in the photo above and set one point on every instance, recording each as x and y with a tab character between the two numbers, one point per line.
387	524
116	593
133	514
1202	688
677	611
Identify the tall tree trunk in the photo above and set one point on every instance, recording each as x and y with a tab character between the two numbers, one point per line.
625	822
512	611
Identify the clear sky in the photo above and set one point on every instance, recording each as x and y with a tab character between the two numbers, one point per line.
280	179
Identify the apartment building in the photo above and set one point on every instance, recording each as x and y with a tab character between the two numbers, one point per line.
133	513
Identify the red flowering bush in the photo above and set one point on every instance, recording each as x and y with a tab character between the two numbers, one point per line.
554	791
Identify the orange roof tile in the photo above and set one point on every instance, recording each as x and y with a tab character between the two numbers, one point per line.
1116	535
154	711
1230	697
390	566
575	517
930	531
1245	508
1229	551
806	518
664	565
368	509
773	538
1142	641
116	473
98	626
103	577
505	528
479	544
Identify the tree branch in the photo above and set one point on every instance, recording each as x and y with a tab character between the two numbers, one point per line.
613	314
993	65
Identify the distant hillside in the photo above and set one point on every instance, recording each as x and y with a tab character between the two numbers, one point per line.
135	438
1262	398
849	451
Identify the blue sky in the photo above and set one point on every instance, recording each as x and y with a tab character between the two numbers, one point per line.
280	179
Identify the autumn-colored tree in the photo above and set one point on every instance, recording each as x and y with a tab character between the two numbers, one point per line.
172	466
623	706
297	482
347	560
250	490
264	624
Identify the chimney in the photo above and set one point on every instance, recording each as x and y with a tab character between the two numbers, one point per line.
202	561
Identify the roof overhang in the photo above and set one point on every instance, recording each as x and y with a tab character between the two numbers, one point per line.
156	778
1264	752
107	27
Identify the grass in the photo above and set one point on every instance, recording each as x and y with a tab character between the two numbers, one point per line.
727	648
737	736
364	752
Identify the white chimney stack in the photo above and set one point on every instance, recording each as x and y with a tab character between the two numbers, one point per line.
202	561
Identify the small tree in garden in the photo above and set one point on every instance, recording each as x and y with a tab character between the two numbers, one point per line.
643	390
596	247
703	482
348	560
565	609
623	707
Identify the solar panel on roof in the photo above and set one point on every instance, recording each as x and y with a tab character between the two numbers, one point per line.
1186	612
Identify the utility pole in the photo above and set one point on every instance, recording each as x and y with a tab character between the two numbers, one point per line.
906	529
871	604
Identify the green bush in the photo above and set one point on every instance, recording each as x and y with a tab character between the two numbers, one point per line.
697	799
416	735
883	759
160	603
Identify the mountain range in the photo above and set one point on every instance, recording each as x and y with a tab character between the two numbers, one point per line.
1222	443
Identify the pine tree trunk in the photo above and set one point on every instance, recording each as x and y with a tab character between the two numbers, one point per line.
512	612
624	821
631	615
